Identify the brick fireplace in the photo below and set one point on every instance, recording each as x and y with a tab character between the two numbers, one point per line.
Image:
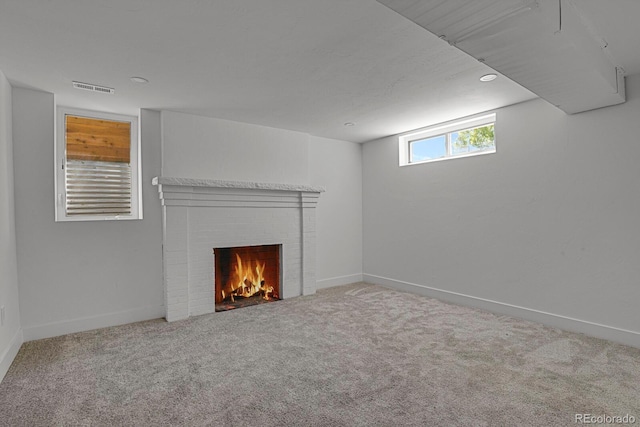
202	215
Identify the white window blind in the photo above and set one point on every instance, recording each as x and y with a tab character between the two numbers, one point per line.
98	188
98	171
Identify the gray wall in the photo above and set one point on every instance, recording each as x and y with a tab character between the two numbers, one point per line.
201	147
337	166
80	275
207	148
545	229
10	332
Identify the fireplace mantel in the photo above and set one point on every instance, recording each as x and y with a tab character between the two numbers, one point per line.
248	185
202	214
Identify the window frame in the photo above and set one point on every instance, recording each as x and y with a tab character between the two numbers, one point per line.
60	159
406	140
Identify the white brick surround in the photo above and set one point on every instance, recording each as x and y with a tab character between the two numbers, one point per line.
199	215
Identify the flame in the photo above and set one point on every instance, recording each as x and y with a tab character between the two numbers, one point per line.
247	281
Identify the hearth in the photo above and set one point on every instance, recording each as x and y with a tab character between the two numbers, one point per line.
246	275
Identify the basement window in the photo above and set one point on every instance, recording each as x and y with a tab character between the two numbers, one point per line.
97	166
461	138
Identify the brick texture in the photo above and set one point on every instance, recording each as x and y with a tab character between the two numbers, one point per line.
199	219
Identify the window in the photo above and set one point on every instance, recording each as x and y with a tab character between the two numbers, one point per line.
97	169
462	138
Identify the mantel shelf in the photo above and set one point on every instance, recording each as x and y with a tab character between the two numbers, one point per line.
218	183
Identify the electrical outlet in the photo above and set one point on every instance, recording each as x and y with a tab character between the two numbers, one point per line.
2	316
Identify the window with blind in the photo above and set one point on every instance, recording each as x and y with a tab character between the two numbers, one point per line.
97	168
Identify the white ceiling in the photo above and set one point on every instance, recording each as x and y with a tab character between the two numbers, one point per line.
304	65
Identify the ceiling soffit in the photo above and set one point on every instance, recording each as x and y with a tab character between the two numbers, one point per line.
541	44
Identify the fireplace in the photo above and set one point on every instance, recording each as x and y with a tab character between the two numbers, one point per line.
201	214
246	275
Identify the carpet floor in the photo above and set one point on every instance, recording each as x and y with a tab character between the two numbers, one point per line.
355	355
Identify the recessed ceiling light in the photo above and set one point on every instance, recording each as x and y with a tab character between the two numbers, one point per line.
349	124
488	77
139	80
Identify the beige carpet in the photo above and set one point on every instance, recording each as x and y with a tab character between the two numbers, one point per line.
356	355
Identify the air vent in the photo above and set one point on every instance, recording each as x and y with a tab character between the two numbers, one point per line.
93	88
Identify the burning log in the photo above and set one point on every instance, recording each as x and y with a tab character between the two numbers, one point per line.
244	276
248	283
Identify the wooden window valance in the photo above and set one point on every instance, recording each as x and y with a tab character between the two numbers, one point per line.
97	139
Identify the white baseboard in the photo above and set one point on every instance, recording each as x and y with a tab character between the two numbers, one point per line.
611	333
6	357
338	281
55	329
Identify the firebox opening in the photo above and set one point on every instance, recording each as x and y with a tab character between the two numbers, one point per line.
246	275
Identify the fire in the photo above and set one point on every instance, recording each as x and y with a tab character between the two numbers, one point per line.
247	281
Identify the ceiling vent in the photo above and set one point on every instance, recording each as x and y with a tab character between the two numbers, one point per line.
94	88
544	45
